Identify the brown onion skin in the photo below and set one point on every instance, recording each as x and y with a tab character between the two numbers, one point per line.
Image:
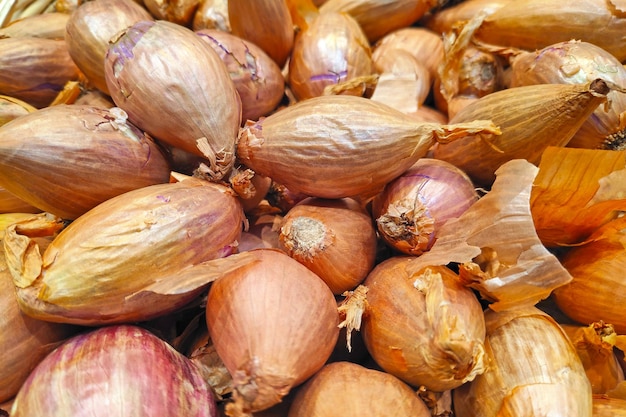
92	26
413	207
274	323
345	389
120	370
332	49
35	70
258	80
397	328
336	239
24	341
45	155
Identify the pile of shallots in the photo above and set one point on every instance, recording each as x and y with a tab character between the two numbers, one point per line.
305	208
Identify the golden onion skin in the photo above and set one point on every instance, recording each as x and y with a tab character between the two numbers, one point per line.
532	369
101	268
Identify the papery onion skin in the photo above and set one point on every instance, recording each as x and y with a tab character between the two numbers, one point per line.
120	370
336	239
89	30
100	268
533	370
605	406
274	324
46	156
423	326
193	103
345	389
403	82
412	208
24	341
337	142
333	49
257	78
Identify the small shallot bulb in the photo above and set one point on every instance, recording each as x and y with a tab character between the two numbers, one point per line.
422	324
257	78
273	322
338	144
597	290
115	371
413	207
89	30
176	88
333	49
345	389
336	239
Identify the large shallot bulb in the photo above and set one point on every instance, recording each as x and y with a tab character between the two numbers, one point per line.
420	324
115	371
273	322
176	88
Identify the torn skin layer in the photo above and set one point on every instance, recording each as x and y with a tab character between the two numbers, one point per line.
122	47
